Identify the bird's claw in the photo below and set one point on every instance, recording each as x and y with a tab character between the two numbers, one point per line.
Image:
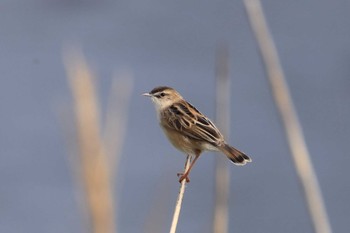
182	177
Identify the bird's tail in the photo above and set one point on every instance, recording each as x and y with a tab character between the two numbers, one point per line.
237	157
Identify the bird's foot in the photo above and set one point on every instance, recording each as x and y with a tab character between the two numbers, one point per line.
182	177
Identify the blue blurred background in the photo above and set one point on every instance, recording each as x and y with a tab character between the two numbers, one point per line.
173	43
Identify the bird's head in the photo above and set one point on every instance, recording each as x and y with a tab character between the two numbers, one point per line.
163	97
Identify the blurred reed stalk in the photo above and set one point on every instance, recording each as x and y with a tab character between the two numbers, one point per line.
116	118
222	178
177	209
293	130
95	153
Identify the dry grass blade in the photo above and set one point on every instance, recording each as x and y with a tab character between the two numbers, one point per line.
177	209
95	173
222	178
116	117
292	126
116	122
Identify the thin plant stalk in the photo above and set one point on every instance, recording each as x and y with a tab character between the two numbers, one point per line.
95	173
116	123
180	197
116	117
222	177
293	130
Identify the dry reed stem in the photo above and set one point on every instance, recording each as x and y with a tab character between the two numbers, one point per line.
222	178
116	122
95	172
293	130
116	118
70	137
177	209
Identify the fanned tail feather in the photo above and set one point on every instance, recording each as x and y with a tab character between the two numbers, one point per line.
237	157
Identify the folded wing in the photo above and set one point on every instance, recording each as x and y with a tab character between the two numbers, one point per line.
186	119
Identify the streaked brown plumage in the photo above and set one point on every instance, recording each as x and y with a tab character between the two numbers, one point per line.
188	129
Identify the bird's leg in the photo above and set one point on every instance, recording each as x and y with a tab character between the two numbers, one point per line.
181	174
187	172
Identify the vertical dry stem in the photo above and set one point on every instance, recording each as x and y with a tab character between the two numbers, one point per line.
222	178
116	123
292	126
116	118
179	199
95	172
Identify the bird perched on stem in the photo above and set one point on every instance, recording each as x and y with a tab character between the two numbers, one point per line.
188	129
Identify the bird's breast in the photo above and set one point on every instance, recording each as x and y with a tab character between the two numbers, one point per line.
180	141
186	144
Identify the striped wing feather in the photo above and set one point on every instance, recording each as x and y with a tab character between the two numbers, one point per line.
186	119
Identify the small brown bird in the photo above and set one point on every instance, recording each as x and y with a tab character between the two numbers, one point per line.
188	129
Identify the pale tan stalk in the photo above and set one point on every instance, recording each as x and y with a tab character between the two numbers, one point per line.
293	130
116	117
95	173
177	209
222	178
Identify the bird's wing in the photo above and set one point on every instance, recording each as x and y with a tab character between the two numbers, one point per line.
186	119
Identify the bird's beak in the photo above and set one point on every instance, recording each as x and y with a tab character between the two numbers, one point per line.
147	94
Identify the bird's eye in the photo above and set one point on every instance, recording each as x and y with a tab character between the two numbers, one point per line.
162	94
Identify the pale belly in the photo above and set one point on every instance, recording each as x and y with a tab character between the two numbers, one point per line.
186	145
